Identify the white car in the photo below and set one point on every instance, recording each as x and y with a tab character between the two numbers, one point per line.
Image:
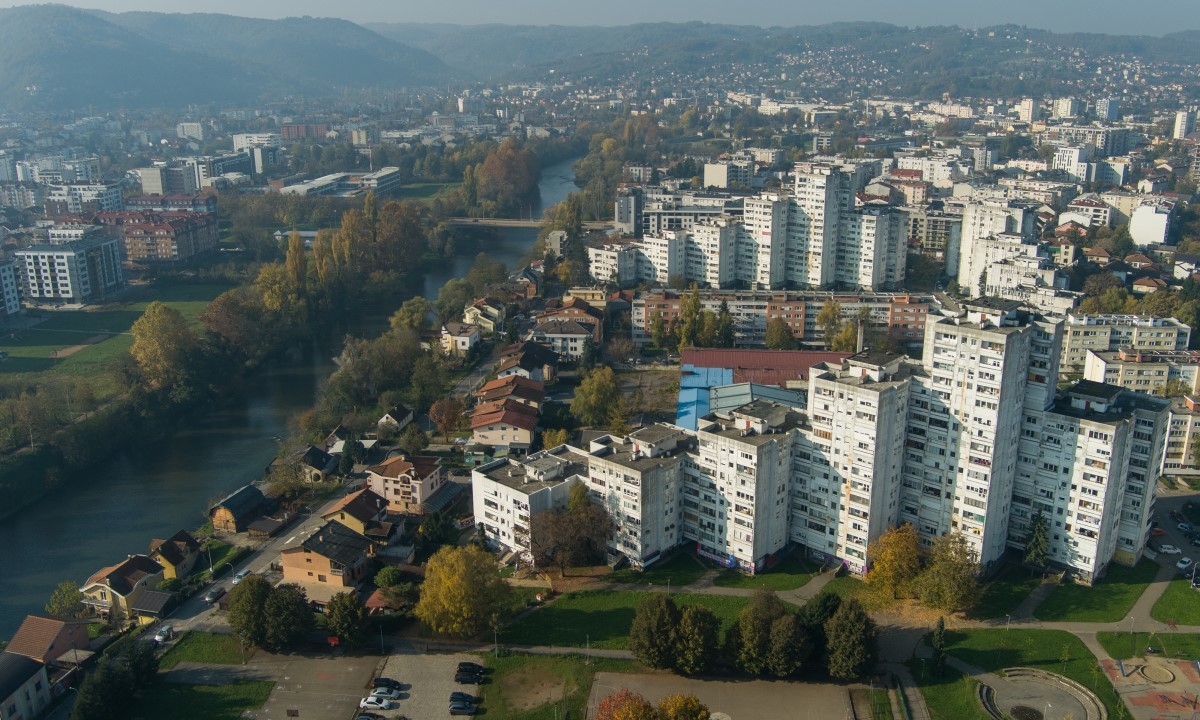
1184	563
375	703
1169	550
241	575
386	693
165	633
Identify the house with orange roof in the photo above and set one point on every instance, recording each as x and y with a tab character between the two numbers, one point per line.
504	423
406	481
177	554
117	588
366	513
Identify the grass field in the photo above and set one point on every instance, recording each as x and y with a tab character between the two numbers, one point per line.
1005	592
508	696
602	618
1180	604
950	696
201	702
204	647
790	573
1123	646
423	192
1109	600
995	650
84	344
681	569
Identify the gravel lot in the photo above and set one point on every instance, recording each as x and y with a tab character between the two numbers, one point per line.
428	680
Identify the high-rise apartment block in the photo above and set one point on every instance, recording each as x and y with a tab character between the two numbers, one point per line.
80	271
1185	124
1102	333
975	439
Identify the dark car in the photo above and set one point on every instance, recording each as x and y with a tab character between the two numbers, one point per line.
468	678
471	667
214	595
462	697
462	709
382	682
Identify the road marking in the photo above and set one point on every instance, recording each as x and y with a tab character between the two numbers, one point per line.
290	539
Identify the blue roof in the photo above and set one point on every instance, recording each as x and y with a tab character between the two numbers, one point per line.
694	386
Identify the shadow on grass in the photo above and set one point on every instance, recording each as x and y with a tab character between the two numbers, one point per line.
575	627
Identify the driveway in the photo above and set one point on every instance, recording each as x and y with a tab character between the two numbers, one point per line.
428	680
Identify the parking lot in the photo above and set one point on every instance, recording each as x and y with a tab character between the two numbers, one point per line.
427	680
314	687
1176	541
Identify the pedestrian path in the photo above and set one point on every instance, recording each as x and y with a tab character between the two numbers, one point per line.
1027	607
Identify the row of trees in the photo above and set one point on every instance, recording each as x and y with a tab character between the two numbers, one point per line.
768	639
946	578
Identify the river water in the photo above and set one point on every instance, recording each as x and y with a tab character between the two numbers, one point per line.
166	485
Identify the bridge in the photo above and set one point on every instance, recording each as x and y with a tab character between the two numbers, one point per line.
511	223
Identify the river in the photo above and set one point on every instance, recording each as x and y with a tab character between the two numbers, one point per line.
164	486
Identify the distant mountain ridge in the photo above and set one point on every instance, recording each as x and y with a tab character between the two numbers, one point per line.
54	56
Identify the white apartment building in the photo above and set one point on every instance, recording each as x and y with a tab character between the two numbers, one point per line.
614	261
711	253
729	173
1144	370
246	141
189	131
1150	223
1067	107
505	494
1183	433
75	272
1075	162
1185	124
1029	110
872	252
981	221
1082	333
75	198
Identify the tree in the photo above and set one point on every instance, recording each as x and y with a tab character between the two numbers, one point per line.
779	335
1037	545
682	707
1100	283
658	332
247	609
65	601
851	641
142	660
789	646
596	396
588	354
462	592
654	632
389	576
895	561
625	705
815	614
571	536
413	439
288	616
413	314
689	318
750	638
830	320
106	693
447	414
554	438
938	641
347	617
950	581
1173	388
724	336
698	640
162	342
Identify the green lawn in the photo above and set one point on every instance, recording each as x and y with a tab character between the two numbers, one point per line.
513	673
848	587
204	647
1180	604
1124	646
681	569
1005	592
997	649
950	696
102	333
201	702
1110	600
601	617
424	192
790	573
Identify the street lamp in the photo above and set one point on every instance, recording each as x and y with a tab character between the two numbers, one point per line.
1132	642
1008	622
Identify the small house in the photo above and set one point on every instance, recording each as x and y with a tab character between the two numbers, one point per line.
115	589
177	554
24	687
396	419
46	639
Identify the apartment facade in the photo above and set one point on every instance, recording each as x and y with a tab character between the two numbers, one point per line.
79	271
1144	370
1082	333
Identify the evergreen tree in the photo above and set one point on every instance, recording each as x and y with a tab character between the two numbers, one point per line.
851	641
725	330
1037	546
699	640
938	641
655	628
789	646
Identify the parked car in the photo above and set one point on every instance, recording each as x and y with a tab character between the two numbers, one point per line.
368	716
375	703
241	575
1184	563
468	678
388	693
165	633
1157	532
462	697
1185	527
384	682
471	667
212	596
462	709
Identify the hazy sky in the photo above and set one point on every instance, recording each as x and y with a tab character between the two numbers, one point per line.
1111	16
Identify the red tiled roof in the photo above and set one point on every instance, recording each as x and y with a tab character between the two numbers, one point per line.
37	633
765	367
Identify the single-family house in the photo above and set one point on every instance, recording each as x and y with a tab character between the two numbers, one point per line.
177	554
459	338
1147	285
24	687
46	639
1138	261
118	587
406	481
531	360
396	419
530	392
238	510
1185	266
485	313
504	424
566	337
315	463
366	513
333	559
573	308
1098	255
